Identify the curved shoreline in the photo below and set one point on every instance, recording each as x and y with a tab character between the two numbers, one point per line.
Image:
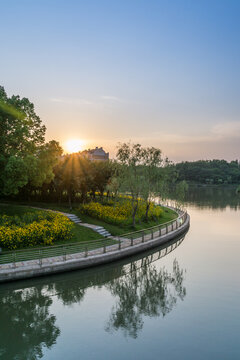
58	264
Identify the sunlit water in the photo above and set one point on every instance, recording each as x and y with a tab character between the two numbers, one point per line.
185	305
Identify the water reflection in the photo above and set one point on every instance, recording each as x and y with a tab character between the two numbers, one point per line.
27	323
213	197
137	286
146	292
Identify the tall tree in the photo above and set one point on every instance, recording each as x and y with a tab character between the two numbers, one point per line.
131	157
102	172
24	158
152	161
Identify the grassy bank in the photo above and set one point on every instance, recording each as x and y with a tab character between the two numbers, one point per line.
87	234
167	215
79	233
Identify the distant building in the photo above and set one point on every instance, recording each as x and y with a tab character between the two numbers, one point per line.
97	154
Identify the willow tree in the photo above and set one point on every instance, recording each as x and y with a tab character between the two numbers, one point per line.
152	162
144	172
131	157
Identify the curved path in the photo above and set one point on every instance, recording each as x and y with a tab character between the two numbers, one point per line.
74	218
124	247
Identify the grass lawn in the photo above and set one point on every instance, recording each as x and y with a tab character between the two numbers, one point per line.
115	230
168	215
12	209
80	233
80	236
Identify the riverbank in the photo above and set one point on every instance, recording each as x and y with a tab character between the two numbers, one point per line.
133	244
83	233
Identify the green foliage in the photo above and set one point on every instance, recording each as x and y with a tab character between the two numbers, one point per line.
120	212
31	168
24	157
209	171
152	160
75	174
180	192
32	229
14	175
131	157
145	174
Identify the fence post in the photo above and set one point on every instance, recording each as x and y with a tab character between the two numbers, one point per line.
104	248
40	257
86	251
166	229
14	259
131	241
143	236
160	231
151	234
119	244
172	226
64	253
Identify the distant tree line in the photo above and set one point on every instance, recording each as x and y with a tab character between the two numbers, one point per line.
209	171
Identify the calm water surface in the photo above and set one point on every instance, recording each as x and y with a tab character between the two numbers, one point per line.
184	305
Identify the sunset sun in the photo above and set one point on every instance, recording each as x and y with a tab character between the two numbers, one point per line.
74	145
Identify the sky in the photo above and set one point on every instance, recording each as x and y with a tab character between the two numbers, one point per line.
160	73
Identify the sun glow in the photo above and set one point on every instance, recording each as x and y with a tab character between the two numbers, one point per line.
74	145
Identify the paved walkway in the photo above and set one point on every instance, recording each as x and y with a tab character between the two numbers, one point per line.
74	218
121	243
99	229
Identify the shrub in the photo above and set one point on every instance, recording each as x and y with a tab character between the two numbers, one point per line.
120	212
32	229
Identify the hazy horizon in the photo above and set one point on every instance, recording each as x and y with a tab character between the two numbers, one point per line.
164	74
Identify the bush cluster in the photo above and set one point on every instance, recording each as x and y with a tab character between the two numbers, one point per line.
120	212
32	229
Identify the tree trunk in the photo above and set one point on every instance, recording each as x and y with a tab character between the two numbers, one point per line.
147	210
134	214
70	200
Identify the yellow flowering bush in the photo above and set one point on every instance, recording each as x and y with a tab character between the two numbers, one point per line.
45	229
119	212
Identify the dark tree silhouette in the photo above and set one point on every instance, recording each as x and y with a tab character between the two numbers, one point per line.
28	325
144	292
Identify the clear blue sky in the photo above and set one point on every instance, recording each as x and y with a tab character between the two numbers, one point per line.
163	73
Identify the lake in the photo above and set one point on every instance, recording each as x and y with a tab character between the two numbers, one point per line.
176	302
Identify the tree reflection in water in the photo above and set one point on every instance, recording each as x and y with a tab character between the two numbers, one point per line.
138	287
67	293
27	324
144	292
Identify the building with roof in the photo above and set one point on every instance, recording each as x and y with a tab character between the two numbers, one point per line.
97	154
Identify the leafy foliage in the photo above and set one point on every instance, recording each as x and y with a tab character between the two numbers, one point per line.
24	157
210	171
120	212
32	229
144	173
77	175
